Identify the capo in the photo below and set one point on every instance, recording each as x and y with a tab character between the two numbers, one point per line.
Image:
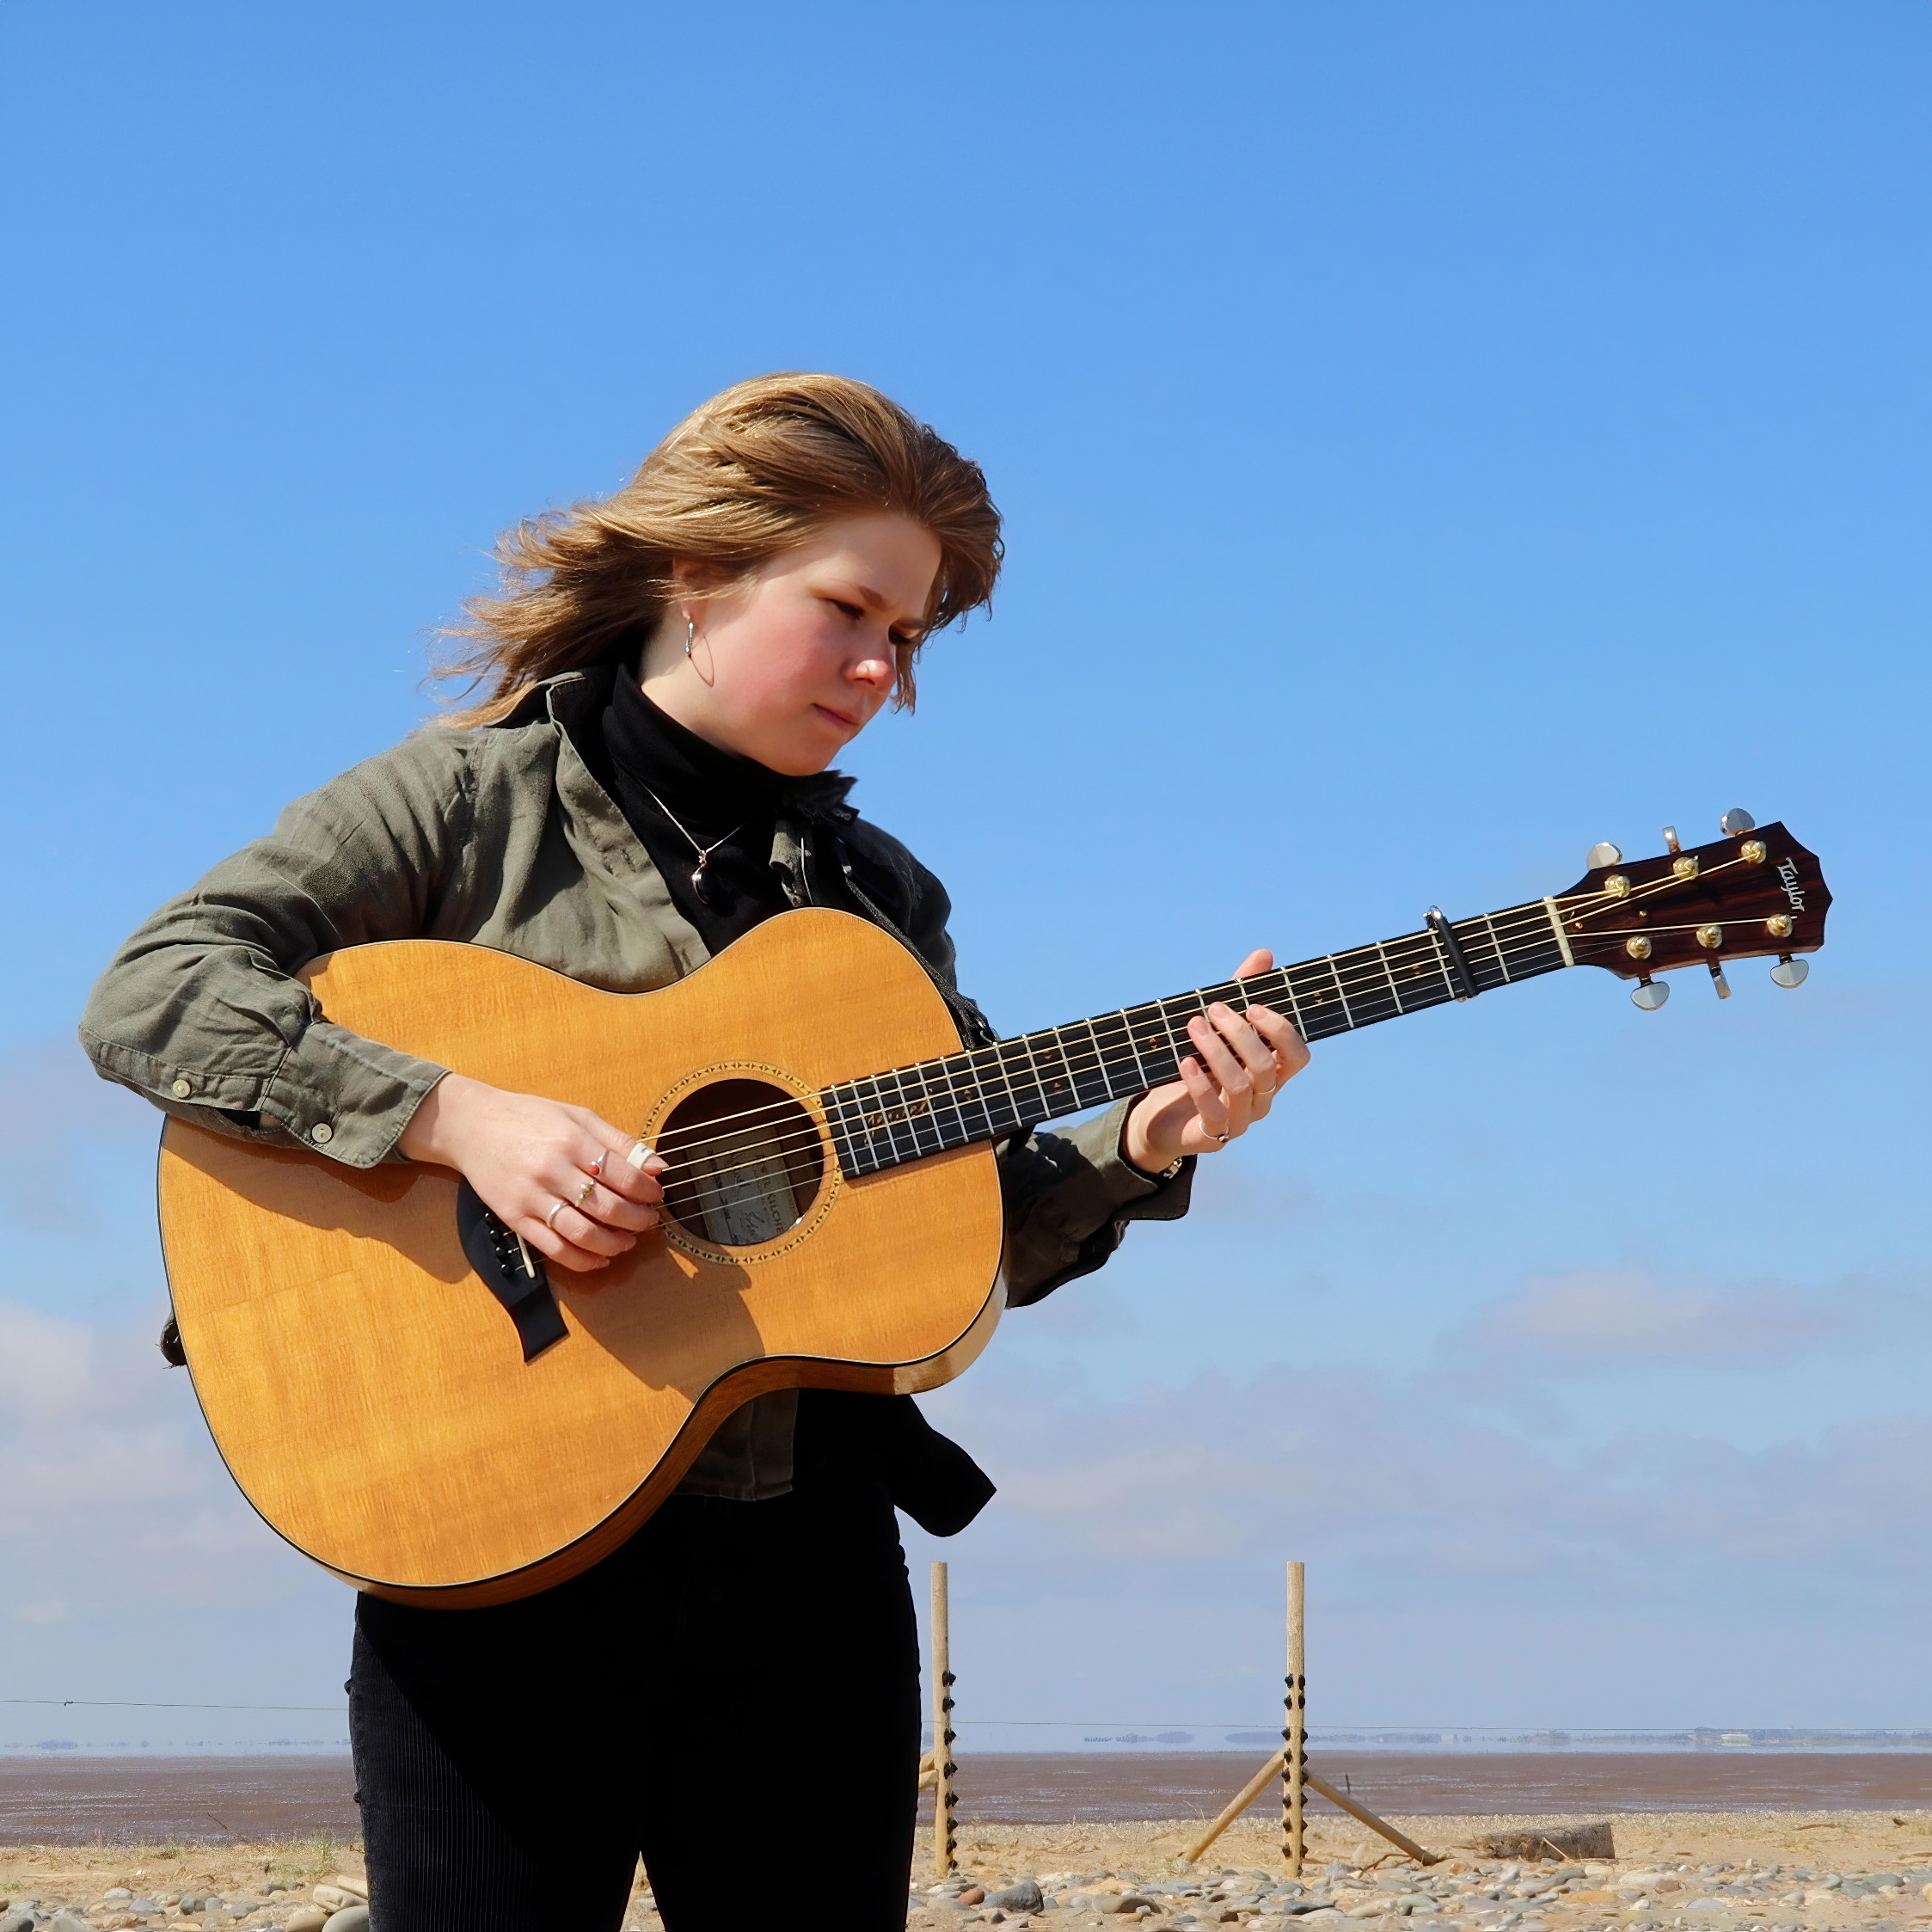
1452	952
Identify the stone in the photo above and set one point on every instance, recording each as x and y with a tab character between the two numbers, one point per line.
66	1921
307	1918
1573	1841
1134	1902
334	1898
16	1922
973	1895
350	1919
1023	1895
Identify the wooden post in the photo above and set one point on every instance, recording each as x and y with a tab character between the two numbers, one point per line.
943	1796
1294	1756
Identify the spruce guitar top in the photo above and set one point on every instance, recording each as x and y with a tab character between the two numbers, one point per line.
403	1392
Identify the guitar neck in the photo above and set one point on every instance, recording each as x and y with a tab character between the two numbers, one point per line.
887	1119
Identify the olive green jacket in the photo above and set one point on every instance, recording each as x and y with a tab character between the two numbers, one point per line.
502	837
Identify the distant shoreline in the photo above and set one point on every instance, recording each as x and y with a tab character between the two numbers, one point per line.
68	1797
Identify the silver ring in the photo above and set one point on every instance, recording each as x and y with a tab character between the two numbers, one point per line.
550	1219
1219	1140
595	1168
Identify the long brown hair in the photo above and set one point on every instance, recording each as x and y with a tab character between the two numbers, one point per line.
760	468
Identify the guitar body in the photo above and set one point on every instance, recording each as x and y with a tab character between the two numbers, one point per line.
372	1396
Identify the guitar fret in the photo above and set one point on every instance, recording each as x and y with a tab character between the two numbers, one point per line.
1389	973
985	1093
1045	1110
1335	969
1095	1072
1502	964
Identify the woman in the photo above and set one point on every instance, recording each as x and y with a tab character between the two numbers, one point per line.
666	676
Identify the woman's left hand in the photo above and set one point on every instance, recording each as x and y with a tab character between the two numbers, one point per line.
1241	1061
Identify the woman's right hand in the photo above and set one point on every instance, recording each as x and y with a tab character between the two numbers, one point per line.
523	1155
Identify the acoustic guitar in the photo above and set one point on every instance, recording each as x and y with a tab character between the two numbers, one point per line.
406	1395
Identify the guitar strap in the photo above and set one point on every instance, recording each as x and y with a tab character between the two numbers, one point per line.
975	1029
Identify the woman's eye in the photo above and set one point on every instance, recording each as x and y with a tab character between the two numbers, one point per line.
850	610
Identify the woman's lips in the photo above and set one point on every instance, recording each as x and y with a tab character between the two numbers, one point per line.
839	717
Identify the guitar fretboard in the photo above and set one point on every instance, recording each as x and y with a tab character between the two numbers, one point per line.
887	1119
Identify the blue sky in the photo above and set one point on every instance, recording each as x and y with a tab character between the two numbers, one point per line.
1433	438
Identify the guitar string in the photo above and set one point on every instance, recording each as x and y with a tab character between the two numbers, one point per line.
1120	1043
1533	917
786	1143
706	1184
1422	944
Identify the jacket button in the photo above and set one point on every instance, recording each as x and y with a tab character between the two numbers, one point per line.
321	1133
181	1089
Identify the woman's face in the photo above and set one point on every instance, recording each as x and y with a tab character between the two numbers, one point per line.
792	668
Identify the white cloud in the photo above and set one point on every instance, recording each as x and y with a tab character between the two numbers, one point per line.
1365	1468
1594	1316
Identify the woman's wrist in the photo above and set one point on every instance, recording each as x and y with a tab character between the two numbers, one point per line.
426	1137
1138	1151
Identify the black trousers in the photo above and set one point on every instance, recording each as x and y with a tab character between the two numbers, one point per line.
733	1695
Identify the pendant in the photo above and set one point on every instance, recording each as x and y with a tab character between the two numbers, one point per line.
698	886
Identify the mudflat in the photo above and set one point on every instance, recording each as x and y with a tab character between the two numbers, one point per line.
214	1801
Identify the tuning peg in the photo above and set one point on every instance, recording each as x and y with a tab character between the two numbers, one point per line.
1790	973
1649	994
1718	979
1737	820
1605	854
1670	839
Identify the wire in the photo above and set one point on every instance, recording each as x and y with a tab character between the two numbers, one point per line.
129	1704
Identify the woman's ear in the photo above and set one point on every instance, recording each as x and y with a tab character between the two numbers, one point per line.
690	574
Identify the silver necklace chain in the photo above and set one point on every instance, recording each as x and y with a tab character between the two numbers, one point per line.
703	852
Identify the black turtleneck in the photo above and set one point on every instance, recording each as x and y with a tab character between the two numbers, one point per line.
713	795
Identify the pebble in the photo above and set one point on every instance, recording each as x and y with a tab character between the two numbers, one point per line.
307	1918
1022	1896
350	1919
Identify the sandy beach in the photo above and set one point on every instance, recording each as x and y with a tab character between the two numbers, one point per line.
1724	1871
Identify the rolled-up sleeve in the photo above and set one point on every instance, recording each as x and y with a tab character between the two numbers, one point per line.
201	1011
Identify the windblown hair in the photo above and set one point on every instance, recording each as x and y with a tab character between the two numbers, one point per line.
759	468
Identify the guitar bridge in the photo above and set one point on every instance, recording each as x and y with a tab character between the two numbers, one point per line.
512	1271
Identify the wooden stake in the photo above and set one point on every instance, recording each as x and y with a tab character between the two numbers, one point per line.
1249	1793
944	1798
1387	1831
1273	1768
1294	1765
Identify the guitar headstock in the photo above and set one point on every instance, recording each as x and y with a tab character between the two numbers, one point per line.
1755	894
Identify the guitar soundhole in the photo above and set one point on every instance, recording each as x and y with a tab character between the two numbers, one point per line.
744	1162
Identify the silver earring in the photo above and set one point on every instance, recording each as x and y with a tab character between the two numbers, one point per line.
690	633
